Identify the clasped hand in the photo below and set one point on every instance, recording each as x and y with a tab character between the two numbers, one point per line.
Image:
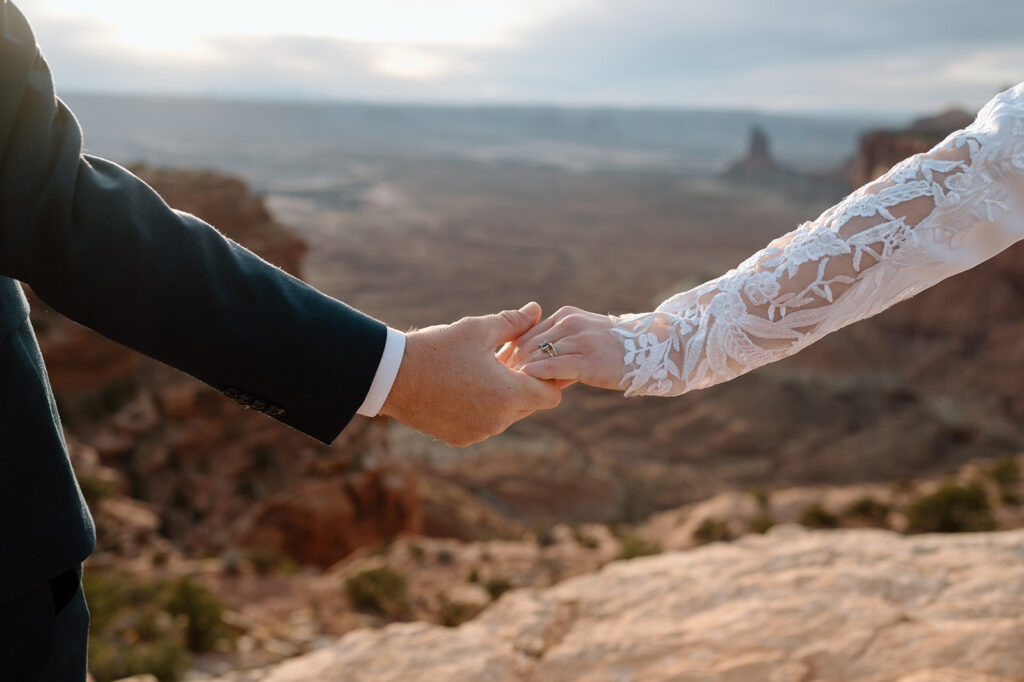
584	350
453	385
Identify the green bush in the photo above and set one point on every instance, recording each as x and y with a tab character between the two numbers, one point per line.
265	562
165	658
545	536
96	489
202	609
110	398
868	510
761	523
497	587
147	626
379	589
951	509
712	530
1006	472
761	496
634	546
585	540
454	613
816	516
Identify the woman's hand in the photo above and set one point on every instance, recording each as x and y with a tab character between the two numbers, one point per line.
587	351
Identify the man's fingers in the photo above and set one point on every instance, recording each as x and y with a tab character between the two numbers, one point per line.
562	367
511	324
532	338
535	394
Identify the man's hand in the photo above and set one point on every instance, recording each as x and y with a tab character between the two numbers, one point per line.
452	386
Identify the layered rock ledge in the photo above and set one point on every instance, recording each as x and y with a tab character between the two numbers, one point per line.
789	606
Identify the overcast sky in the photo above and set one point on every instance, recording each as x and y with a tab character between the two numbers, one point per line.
790	55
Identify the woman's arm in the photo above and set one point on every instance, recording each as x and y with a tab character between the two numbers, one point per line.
930	217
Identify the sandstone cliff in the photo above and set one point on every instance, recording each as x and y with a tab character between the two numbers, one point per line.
880	150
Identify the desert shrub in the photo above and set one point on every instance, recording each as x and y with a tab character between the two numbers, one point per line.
951	509
110	399
545	536
416	551
165	658
816	516
869	510
585	540
761	496
142	626
712	530
378	589
1006	472
445	557
202	609
96	489
634	546
902	485
497	587
761	523
265	562
454	613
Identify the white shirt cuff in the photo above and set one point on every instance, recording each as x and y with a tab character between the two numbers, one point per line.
387	370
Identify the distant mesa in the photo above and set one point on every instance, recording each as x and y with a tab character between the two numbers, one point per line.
758	168
877	152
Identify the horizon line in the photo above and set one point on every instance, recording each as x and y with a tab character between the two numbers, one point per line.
891	115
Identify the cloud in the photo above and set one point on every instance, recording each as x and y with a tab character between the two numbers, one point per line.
913	55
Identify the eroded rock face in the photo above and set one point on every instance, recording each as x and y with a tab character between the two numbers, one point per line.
792	606
880	150
317	521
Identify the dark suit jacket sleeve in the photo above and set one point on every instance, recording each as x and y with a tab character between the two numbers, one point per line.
100	246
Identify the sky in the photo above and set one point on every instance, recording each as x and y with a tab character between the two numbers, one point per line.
810	56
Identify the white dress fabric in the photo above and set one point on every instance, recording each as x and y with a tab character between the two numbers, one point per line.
931	216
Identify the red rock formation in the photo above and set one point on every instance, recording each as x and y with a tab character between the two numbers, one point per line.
880	150
319	521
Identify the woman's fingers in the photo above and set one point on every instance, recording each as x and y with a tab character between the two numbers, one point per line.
564	368
550	329
505	352
563	346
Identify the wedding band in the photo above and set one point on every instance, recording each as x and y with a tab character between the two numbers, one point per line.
549	348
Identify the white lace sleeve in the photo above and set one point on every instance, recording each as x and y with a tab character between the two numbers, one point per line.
931	216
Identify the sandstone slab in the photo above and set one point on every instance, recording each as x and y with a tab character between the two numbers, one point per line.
790	606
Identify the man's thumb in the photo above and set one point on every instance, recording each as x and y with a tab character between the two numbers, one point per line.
511	324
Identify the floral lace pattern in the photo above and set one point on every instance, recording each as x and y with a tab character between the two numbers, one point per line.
931	216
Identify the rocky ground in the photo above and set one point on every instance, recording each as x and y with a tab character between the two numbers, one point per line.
789	606
274	612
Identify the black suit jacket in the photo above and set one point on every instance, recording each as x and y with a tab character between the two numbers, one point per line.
98	245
